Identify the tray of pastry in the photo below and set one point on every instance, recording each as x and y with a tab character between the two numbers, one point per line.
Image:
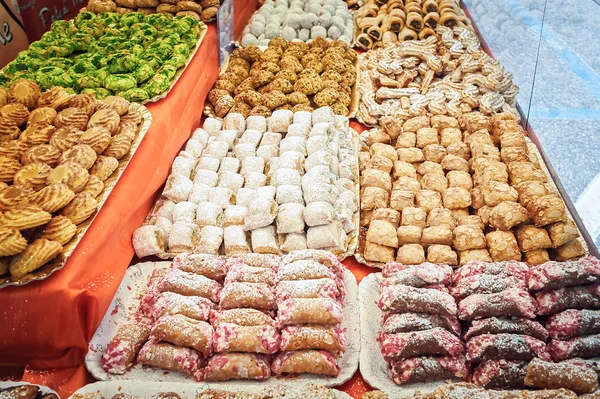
233	322
485	198
446	74
296	76
25	390
263	185
498	325
205	10
63	157
140	57
173	390
303	22
378	25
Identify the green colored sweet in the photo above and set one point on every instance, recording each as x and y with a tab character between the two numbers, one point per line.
121	63
99	92
156	85
168	71
120	82
181	27
62	28
15	67
189	39
83	42
181	49
49	37
5	80
136	50
84	18
81	68
134	95
191	21
132	18
94	28
49	76
143	72
172	38
62	63
176	60
90	81
60	48
159	20
109	18
161	49
152	59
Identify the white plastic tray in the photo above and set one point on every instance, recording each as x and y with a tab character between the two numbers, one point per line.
127	300
9	384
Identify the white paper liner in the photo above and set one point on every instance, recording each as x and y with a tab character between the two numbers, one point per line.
127	301
9	384
145	388
373	367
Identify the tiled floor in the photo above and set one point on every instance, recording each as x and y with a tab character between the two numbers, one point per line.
559	77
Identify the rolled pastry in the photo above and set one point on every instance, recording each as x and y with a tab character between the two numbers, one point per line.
496	325
417	276
241	317
306	361
171	357
184	331
264	241
512	302
170	303
211	238
235	241
261	212
410	321
252	339
309	311
249	274
547	375
190	284
401	298
579	297
329	338
435	341
584	347
319	288
247	295
209	266
148	240
124	346
256	260
364	41
485	284
237	366
500	374
407	34
424	369
487	347
303	270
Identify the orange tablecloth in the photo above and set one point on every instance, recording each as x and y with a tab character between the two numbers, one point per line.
45	326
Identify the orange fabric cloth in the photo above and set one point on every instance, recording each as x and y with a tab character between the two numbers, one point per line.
45	326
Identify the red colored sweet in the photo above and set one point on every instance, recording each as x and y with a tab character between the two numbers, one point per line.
498	325
511	302
505	346
423	369
573	323
585	347
402	298
580	297
435	341
552	275
407	322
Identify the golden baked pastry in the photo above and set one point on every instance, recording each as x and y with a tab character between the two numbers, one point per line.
71	117
15	112
119	146
3	97
43	153
100	6
126	3
15	196
104	167
12	241
132	116
108	118
53	197
82	154
32	175
86	102
65	138
208	14
123	10
4	265
189	13
166	8
70	173
189	6
25	217
81	208
94	186
26	92
13	149
37	133
128	128
147	11
119	104
57	98
44	115
59	229
37	254
98	138
8	168
8	130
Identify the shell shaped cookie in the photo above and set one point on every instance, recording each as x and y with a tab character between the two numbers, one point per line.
94	186
26	92
53	197
119	146
66	137
44	116
13	149
8	168
26	217
15	196
43	153
119	104
37	133
81	154
98	138
86	102
17	113
74	117
57	98
8	130
12	241
104	167
32	175
36	255
127	128
59	229
108	118
81	208
132	116
70	173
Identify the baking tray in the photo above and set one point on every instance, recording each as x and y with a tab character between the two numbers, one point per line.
353	238
148	388
110	183
586	242
127	300
9	384
209	110
373	367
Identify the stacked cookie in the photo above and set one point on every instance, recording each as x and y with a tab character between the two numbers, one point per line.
568	293
202	10
503	335
56	152
211	318
262	185
300	20
420	336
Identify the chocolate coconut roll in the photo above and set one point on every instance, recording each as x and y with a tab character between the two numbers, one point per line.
423	369
435	341
408	322
500	374
505	346
501	325
546	375
519	270
485	284
585	347
512	302
551	275
402	298
581	297
416	275
573	323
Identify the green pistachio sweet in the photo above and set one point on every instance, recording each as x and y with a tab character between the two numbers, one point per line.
143	72
134	95
120	82
156	85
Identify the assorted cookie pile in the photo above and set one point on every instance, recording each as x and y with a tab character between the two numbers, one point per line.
134	56
489	323
212	318
201	10
381	23
300	20
450	190
262	185
56	152
287	76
